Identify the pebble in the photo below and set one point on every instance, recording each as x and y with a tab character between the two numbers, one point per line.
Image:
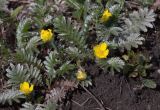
158	71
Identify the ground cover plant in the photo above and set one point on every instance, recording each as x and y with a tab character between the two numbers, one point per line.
52	49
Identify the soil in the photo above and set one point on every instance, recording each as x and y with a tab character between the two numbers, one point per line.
117	93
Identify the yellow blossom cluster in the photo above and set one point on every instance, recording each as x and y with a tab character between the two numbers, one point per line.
101	51
46	35
105	16
26	88
81	75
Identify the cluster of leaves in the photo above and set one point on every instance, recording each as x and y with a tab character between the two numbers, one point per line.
137	65
75	33
123	34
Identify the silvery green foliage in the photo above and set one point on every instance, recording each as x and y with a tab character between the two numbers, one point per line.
105	33
20	73
86	83
22	36
138	21
115	63
112	64
16	74
52	61
67	32
127	35
73	52
133	40
28	106
10	96
65	68
21	32
29	58
32	43
34	74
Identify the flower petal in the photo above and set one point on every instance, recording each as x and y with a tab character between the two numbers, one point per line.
46	35
25	85
31	88
81	75
106	15
103	46
106	52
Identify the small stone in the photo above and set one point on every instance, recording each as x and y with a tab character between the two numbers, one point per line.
158	71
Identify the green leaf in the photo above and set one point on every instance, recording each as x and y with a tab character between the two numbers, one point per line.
65	68
11	96
149	83
28	106
15	12
50	63
66	30
113	64
128	68
22	29
20	73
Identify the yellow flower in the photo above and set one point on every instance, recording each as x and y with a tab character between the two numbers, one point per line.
25	88
46	35
106	15
81	75
101	51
